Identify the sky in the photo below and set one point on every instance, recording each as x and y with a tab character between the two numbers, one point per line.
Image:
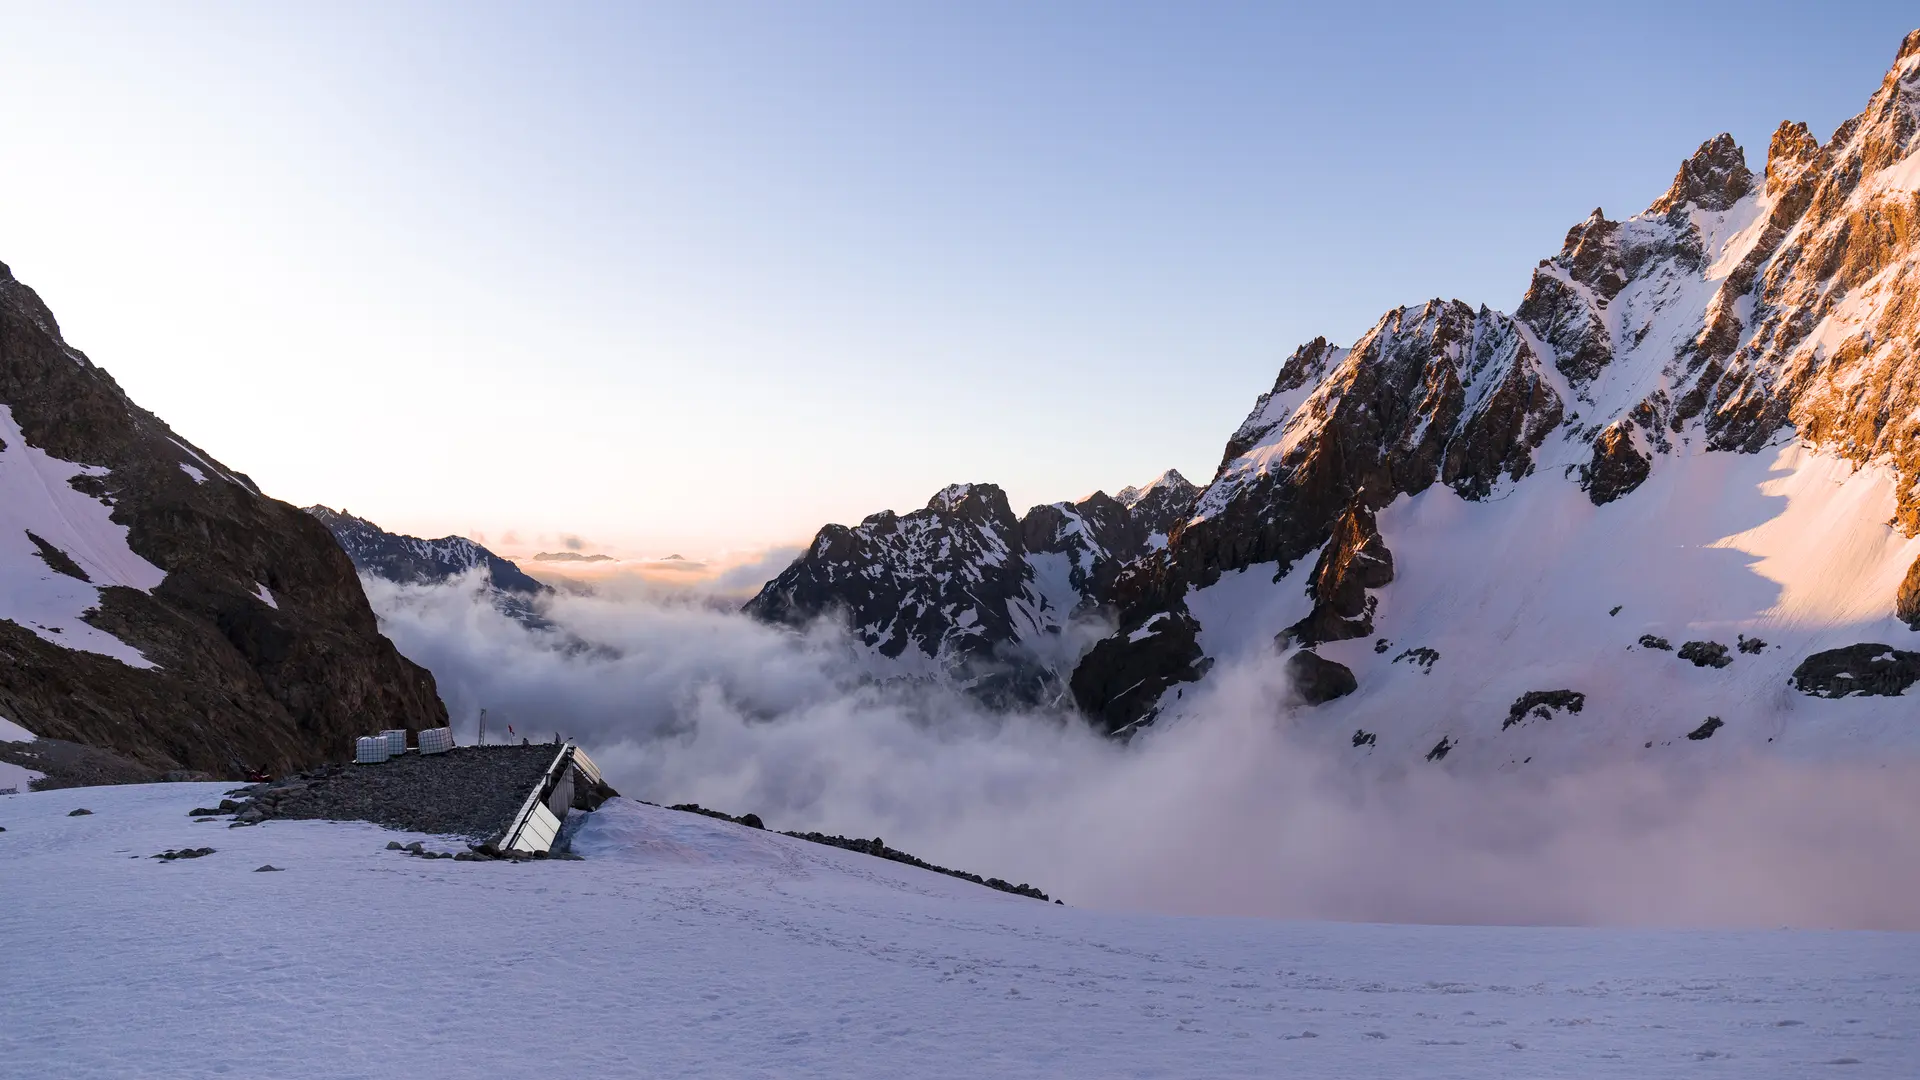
701	277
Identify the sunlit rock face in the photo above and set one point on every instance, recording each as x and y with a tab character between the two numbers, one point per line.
153	603
1738	314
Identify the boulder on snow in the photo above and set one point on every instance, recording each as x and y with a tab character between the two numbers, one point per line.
1421	657
1705	654
1706	730
1541	705
1866	669
1318	680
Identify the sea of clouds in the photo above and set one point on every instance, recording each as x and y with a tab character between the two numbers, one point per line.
681	699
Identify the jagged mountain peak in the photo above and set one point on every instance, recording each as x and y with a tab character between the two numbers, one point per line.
1728	314
980	504
1169	481
963	590
1792	152
1713	179
411	560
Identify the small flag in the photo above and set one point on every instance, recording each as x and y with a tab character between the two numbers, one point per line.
509	729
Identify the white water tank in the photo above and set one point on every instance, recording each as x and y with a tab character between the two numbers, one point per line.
436	740
396	741
369	750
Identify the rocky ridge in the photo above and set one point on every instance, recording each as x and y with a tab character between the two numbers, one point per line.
163	608
1736	314
410	560
964	588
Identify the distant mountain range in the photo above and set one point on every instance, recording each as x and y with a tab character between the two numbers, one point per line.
964	588
570	556
410	560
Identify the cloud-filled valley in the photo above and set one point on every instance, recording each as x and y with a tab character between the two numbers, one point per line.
1237	808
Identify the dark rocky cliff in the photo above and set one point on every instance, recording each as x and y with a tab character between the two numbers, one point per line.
264	652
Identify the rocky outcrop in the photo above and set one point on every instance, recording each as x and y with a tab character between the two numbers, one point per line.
1354	560
224	631
1541	705
1316	680
1714	178
1618	466
1117	683
1869	670
1907	603
1705	654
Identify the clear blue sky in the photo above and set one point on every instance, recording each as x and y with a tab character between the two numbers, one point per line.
707	275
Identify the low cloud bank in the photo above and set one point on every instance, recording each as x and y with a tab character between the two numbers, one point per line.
1227	813
725	582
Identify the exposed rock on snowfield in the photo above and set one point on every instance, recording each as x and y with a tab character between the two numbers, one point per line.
1354	560
1542	704
1858	669
1318	680
1705	654
153	602
964	588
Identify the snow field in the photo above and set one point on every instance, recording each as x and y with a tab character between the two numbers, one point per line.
689	947
1791	546
35	497
15	778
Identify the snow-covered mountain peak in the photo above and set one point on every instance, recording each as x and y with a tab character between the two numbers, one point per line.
410	560
1792	152
1171	480
979	504
1729	318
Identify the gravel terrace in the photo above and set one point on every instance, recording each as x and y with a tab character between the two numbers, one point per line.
469	791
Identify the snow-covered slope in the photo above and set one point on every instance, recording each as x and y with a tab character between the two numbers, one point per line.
964	589
1706	416
687	947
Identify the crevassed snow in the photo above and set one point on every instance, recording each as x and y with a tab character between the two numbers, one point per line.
36	497
688	947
